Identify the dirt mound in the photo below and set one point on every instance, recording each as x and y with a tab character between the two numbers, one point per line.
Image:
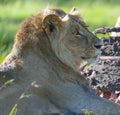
106	73
104	76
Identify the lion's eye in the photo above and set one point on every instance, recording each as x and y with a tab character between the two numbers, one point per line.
79	35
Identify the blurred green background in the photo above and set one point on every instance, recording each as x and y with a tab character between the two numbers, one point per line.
96	13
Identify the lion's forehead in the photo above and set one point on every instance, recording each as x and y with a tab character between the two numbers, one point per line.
77	20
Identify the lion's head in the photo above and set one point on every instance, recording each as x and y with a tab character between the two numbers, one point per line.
65	33
70	39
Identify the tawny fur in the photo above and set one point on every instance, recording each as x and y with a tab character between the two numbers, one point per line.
43	68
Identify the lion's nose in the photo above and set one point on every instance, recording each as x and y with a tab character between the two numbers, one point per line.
98	45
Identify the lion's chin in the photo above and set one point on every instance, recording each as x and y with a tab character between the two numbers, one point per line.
87	63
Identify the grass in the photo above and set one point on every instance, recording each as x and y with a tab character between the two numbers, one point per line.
97	13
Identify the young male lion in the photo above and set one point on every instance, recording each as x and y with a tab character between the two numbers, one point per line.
41	75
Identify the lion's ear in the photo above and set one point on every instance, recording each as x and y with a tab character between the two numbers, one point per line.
74	12
51	21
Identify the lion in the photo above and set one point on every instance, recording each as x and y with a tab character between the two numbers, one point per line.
42	73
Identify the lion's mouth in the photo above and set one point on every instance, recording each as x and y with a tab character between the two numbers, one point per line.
88	62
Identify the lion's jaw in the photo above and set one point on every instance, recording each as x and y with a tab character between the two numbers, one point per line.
80	63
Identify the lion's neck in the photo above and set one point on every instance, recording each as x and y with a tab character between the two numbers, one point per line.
50	66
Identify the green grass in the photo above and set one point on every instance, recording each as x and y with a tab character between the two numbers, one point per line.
96	13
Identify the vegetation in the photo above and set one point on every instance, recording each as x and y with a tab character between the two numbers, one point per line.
97	13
